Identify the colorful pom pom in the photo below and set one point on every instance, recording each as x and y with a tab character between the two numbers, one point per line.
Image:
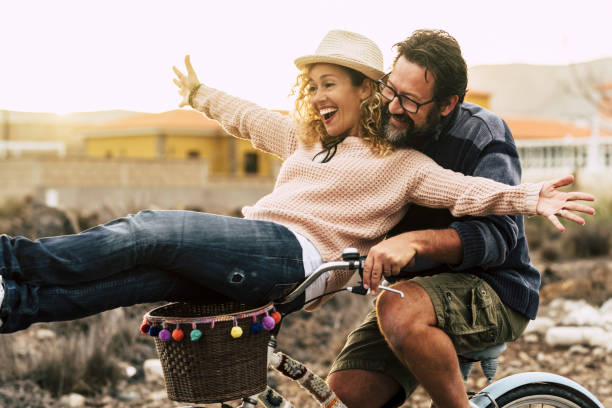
177	334
268	323
277	317
154	331
195	335
236	332
255	327
144	329
165	335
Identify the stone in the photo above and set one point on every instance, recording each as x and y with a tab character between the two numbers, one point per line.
128	396
153	370
584	315
539	325
128	370
579	349
72	401
602	339
606	307
157	396
45	334
568	336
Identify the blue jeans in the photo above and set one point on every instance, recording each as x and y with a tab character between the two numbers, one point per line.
151	256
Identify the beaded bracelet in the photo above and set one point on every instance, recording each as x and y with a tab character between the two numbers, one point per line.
192	93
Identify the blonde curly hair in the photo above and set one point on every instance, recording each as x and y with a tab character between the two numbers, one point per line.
312	130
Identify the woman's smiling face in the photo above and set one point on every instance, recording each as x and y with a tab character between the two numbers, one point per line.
336	99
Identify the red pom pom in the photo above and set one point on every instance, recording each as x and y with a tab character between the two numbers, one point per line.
144	329
277	317
177	334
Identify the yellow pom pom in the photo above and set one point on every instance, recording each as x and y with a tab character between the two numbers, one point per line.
236	332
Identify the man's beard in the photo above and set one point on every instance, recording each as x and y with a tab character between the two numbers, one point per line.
413	136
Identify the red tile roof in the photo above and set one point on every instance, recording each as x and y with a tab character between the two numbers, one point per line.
529	128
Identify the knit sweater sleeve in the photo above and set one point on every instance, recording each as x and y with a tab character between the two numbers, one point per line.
267	130
433	186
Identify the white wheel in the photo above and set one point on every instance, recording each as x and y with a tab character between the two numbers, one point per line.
543	396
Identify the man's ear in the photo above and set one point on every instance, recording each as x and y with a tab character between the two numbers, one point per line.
448	106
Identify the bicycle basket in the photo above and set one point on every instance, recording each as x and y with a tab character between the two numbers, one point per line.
223	355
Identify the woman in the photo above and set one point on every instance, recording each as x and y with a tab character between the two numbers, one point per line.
341	185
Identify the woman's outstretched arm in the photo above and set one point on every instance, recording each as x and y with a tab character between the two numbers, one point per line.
433	186
267	130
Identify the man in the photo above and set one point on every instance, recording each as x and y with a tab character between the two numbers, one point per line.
483	289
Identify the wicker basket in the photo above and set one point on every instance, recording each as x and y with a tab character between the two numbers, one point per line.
217	367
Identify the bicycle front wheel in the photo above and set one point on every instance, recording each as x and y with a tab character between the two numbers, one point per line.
543	396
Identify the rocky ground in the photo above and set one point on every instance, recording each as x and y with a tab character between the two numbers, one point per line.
316	338
576	297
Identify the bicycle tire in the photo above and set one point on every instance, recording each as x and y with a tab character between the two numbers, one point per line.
543	395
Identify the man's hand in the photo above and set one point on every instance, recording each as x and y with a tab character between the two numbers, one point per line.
553	202
387	259
185	83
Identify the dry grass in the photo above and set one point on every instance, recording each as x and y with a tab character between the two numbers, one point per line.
591	240
82	357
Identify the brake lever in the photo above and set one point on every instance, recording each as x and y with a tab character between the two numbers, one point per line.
360	290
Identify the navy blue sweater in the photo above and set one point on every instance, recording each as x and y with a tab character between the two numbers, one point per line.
474	141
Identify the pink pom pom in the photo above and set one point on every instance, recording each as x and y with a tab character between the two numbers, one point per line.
165	335
268	323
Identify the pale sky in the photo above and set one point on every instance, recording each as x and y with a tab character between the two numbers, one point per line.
77	56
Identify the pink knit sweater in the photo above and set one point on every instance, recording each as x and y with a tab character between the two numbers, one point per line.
357	197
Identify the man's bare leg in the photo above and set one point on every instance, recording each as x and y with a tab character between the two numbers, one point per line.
408	325
363	388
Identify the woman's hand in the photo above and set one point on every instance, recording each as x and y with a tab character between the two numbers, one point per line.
553	202
187	83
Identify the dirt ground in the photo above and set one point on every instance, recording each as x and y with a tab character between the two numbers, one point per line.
315	338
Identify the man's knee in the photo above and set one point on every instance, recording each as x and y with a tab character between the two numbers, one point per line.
400	317
363	388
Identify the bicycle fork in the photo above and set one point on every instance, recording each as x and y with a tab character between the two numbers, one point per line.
298	372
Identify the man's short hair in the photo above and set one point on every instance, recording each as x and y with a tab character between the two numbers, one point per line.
439	53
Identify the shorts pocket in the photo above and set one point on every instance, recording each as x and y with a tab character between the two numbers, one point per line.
472	320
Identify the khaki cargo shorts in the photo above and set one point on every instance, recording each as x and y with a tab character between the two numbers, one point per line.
467	309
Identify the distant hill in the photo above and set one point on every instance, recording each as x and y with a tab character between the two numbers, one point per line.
566	92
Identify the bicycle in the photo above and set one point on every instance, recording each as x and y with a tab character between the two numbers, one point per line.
514	391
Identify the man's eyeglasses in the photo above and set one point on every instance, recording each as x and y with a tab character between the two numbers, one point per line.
408	104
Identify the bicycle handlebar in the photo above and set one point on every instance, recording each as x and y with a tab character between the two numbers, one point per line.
351	260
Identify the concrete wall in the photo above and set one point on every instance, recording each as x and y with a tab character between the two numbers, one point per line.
89	184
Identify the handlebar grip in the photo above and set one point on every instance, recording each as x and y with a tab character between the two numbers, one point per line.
359	290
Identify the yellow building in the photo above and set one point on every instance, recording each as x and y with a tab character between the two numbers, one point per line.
180	134
479	98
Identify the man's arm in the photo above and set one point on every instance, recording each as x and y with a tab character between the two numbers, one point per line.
469	242
487	241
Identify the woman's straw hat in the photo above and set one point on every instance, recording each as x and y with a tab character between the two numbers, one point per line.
350	50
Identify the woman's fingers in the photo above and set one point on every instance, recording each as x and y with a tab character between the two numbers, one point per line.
190	70
579	207
178	73
563	181
568	215
553	219
579	195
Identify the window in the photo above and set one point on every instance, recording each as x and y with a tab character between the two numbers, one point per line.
251	163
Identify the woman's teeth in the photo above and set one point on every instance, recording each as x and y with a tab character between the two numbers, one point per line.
327	112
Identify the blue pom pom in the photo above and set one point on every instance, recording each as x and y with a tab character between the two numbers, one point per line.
255	327
154	331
